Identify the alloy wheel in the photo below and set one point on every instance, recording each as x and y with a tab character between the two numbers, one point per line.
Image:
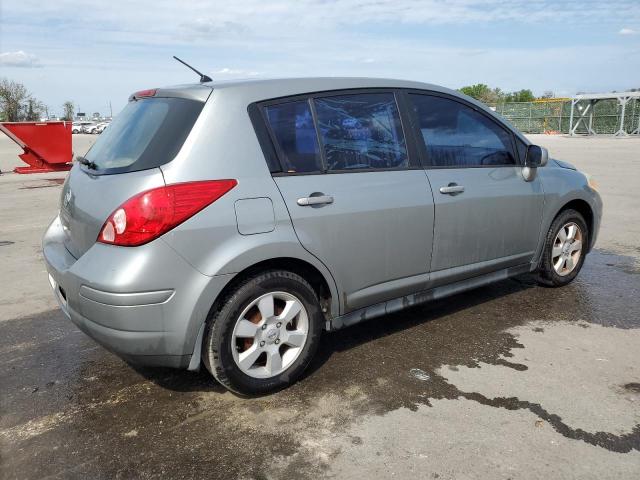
270	334
567	249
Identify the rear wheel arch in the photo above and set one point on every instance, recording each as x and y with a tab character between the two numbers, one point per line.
265	367
306	270
321	281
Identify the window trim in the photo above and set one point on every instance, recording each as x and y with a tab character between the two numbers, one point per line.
271	147
526	146
420	144
316	127
269	150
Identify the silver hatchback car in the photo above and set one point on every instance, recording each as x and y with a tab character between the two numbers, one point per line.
230	223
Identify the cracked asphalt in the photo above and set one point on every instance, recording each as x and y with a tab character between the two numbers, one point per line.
509	381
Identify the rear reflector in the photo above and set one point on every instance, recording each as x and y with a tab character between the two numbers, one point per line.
146	216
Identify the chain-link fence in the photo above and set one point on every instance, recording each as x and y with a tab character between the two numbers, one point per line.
552	116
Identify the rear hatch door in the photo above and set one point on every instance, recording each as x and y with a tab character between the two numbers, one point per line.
125	160
88	200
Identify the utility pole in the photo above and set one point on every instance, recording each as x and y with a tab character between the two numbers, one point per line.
110	110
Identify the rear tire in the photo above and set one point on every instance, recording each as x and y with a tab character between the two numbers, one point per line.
255	342
565	249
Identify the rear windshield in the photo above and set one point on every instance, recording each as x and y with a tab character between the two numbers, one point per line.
146	134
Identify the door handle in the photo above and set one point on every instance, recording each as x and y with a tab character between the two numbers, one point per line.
319	200
452	189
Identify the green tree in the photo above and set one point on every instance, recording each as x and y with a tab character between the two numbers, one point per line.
35	110
13	96
520	96
476	91
31	113
68	107
483	93
17	104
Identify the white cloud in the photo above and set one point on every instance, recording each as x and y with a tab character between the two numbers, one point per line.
19	59
210	28
277	18
627	31
234	73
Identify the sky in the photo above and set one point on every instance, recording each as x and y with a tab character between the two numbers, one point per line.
94	53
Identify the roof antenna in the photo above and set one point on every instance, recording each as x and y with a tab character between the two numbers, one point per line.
203	77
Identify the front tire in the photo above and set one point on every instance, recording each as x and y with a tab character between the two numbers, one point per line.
264	334
565	249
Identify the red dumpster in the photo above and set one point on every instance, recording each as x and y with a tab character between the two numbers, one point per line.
46	145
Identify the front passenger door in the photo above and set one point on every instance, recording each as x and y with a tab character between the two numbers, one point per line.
487	217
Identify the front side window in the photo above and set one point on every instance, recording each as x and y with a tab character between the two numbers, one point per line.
294	132
455	135
361	131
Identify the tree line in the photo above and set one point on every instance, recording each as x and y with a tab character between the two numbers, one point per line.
493	96
17	104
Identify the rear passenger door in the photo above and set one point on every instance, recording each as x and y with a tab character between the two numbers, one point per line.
358	199
487	217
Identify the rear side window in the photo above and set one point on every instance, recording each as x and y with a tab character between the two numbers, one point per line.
147	133
455	135
295	134
361	131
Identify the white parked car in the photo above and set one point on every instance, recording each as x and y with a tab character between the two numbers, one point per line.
80	127
91	128
101	126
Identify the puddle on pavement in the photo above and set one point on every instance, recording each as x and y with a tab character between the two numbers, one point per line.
75	405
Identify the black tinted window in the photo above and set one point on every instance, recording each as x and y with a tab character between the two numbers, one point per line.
292	126
361	131
457	136
522	149
146	134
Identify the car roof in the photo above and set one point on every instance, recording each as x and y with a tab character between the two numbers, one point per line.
251	90
300	85
326	83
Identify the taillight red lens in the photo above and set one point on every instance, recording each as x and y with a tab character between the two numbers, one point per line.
150	214
151	92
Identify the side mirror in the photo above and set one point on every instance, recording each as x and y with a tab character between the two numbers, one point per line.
536	157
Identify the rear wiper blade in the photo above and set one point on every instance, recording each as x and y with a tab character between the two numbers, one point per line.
88	163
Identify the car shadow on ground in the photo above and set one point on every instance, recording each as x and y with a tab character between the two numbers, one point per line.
354	336
403	322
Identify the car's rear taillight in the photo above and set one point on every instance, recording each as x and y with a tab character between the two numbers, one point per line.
149	214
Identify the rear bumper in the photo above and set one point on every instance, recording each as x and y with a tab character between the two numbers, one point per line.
146	304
